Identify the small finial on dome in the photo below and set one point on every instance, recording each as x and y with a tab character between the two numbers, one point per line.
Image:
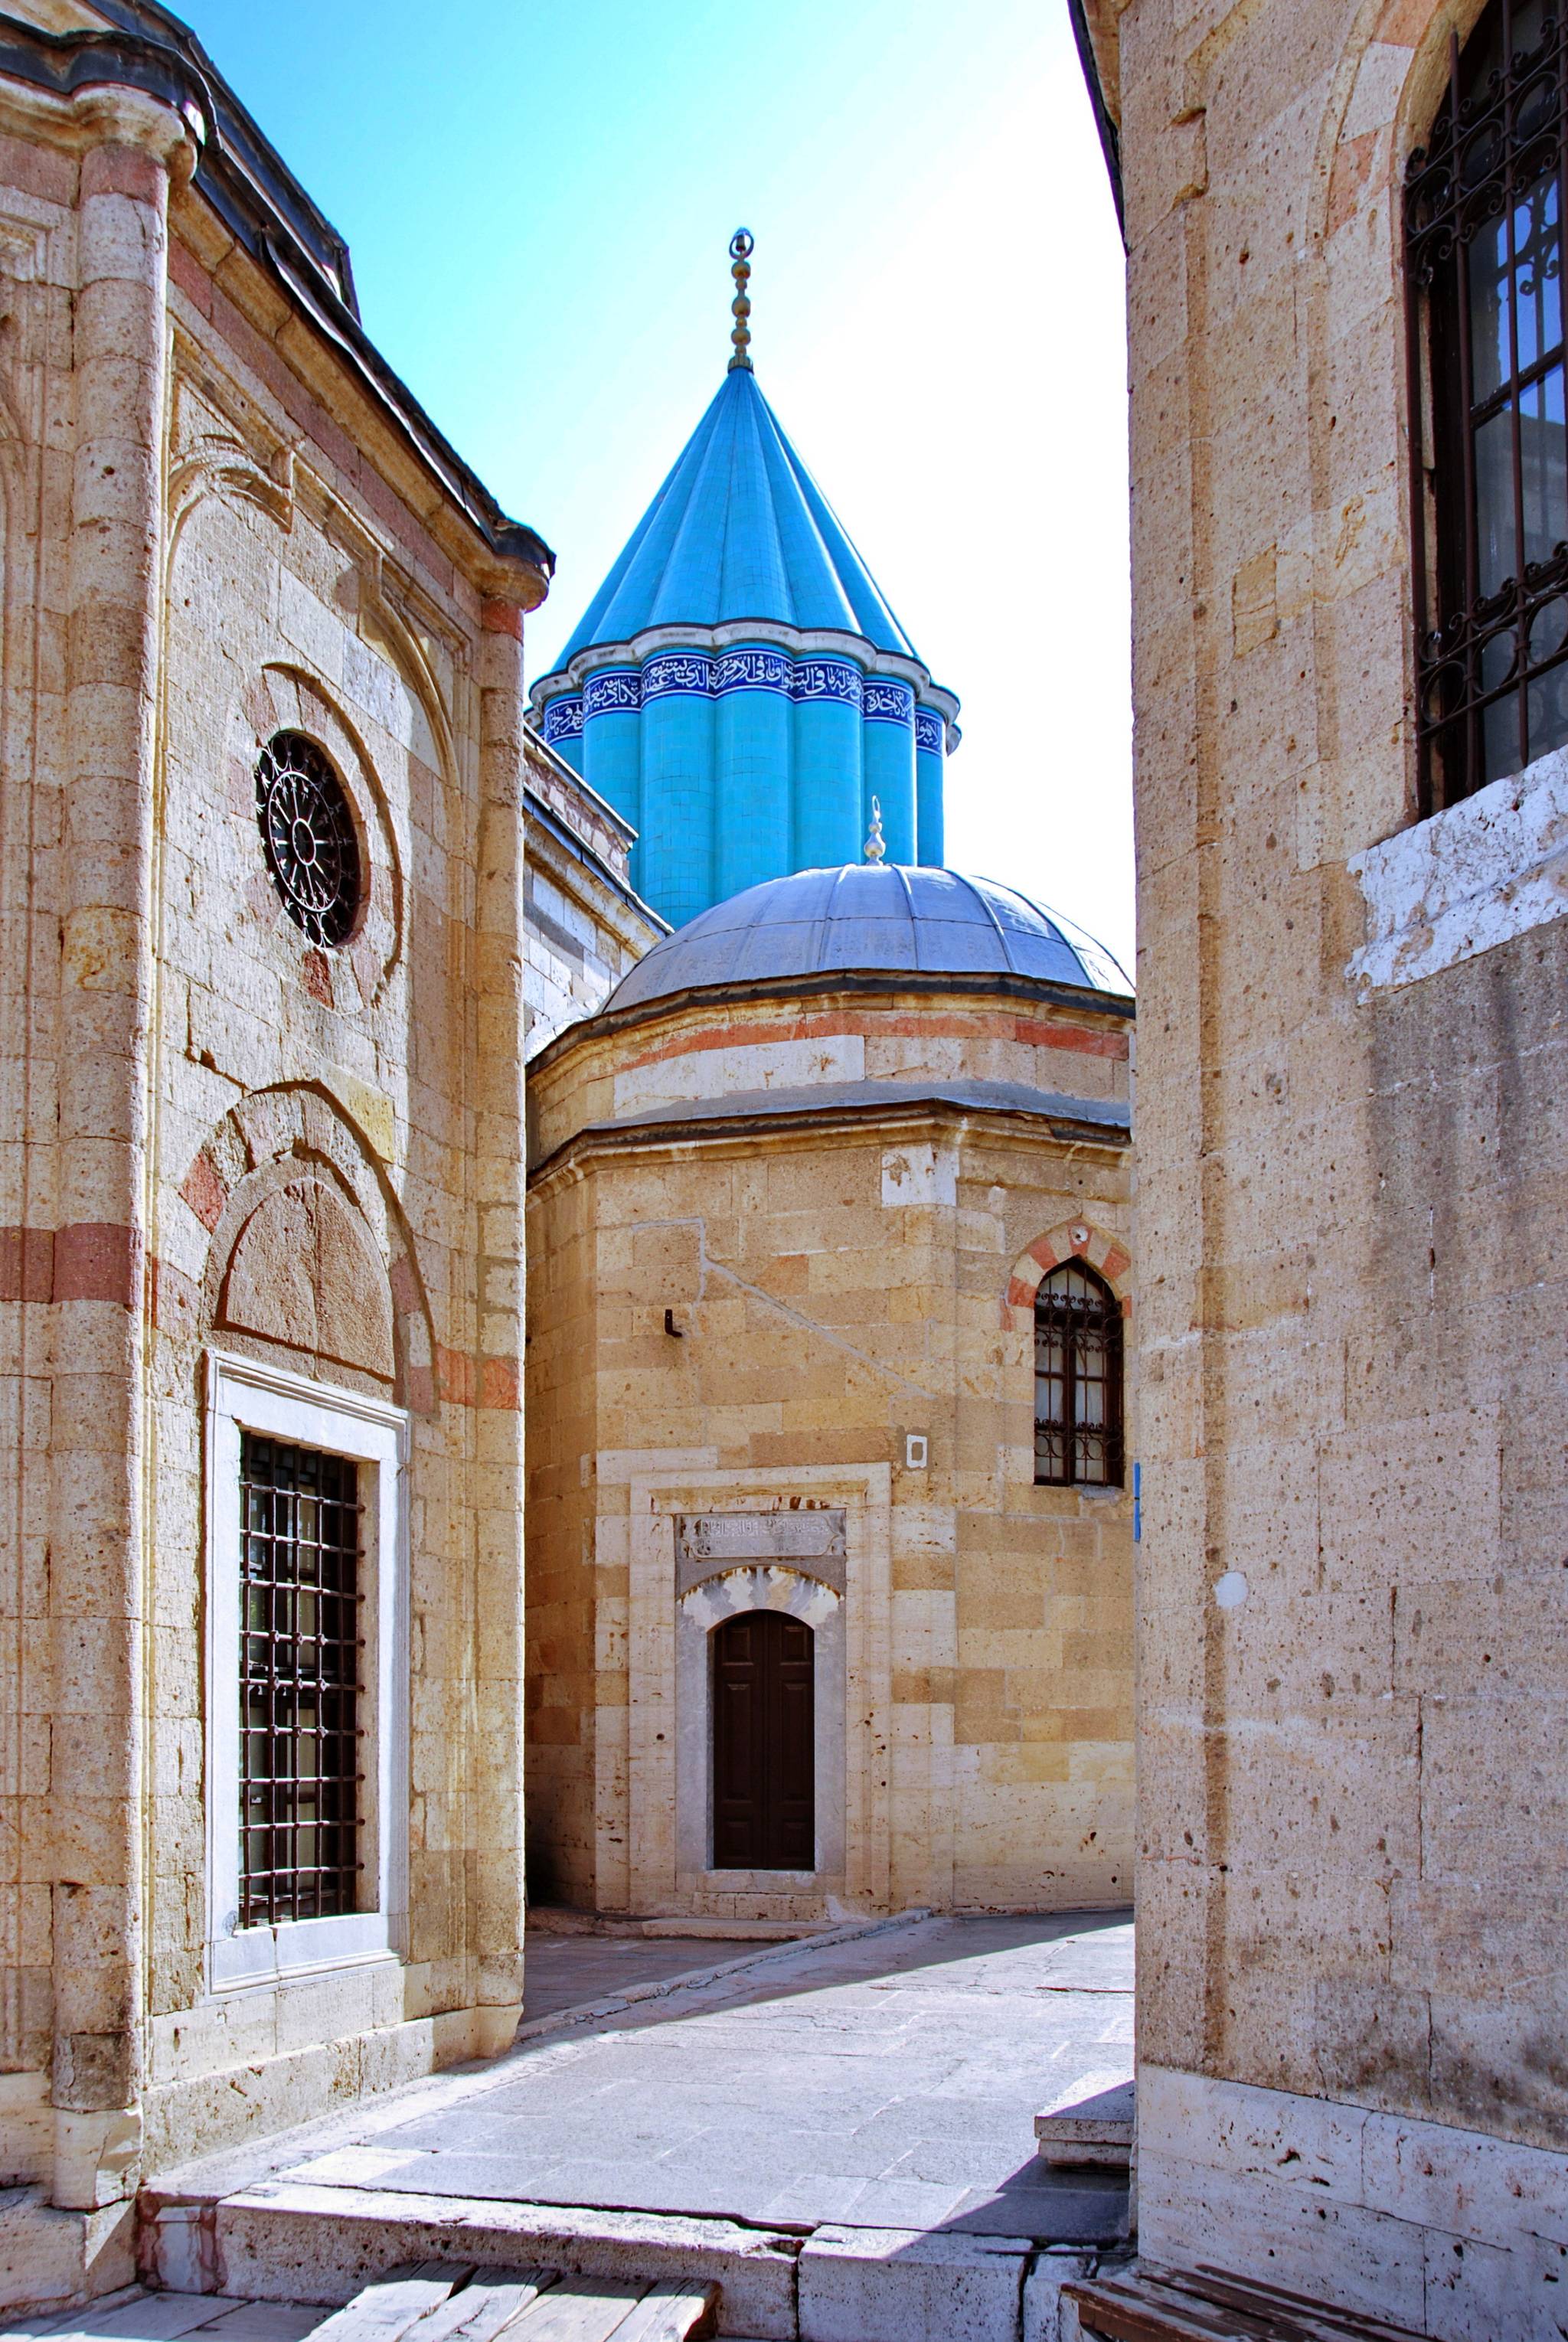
875	844
741	248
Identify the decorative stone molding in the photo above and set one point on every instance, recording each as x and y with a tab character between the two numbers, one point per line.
247	1394
302	1274
667	1810
809	1541
294	1150
775	1587
286	699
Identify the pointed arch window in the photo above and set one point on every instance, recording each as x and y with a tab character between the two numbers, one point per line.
1078	1437
1484	212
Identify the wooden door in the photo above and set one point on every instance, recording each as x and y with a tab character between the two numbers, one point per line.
764	1802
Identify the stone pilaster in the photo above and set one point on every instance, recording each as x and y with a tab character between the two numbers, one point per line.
496	1791
97	1576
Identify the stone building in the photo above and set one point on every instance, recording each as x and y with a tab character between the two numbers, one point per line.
584	924
289	891
1351	562
828	1614
268	790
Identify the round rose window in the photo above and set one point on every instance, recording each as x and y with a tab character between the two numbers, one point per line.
308	837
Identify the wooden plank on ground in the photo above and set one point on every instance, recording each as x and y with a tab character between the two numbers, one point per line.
671	2313
577	2309
484	2308
1207	2306
385	2311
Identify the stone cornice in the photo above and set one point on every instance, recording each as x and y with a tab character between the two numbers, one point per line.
145	79
742	1122
801	642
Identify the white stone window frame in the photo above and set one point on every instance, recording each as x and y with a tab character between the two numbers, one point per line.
247	1394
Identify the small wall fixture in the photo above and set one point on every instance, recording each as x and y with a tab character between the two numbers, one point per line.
671	1327
916	1451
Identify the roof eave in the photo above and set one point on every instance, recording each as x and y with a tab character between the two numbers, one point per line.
261	204
1076	1123
1098	45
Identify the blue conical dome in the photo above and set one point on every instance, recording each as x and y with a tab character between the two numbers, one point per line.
739	530
738	687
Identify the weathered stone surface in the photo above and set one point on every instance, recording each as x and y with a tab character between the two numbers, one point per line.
1089	2123
302	1274
903	2285
1352	1168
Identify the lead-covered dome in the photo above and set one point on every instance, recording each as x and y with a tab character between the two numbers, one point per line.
874	918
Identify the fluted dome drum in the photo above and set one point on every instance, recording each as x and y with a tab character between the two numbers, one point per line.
871	918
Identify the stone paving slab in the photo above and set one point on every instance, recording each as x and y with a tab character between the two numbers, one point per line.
887	2082
564	1971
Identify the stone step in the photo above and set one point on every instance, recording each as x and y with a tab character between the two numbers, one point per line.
1093	2126
287	2240
290	2241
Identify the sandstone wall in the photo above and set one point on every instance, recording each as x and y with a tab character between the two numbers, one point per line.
583	927
1351	1163
221	1138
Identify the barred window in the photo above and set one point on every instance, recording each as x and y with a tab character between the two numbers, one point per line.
1483	261
1077	1380
299	1682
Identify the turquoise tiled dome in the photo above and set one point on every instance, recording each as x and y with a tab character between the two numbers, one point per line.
738	687
874	919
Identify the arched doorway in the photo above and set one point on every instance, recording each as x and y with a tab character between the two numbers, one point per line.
764	1802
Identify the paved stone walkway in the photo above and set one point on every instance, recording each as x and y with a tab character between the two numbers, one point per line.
889	2082
564	1971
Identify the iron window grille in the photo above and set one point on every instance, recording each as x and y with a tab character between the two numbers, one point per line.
1484	201
1078	1440
308	837
300	1555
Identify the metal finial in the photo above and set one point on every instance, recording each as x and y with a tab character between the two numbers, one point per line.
741	249
875	844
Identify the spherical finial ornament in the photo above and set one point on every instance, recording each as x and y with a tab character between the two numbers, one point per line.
875	844
742	245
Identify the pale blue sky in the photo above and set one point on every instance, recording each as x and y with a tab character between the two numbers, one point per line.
538	194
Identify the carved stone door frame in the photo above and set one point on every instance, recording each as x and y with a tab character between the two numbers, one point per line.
668	1725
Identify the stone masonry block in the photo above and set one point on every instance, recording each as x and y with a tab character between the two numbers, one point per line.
900	2285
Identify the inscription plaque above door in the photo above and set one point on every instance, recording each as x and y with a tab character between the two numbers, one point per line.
709	1544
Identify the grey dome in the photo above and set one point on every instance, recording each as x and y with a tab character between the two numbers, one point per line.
879	917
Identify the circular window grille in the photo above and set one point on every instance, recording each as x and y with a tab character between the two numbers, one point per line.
307	836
